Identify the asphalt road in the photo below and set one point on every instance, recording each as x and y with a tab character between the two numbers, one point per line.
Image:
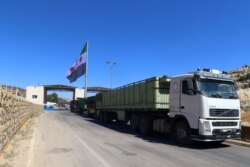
65	139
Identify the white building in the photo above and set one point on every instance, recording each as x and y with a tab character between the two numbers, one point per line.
35	94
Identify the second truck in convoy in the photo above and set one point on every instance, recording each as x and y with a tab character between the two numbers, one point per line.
201	105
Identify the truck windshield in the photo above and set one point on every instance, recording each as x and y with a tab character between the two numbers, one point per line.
217	89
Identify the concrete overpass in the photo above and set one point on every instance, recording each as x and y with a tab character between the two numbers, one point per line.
38	94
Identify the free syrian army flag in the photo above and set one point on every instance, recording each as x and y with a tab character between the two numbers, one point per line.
79	67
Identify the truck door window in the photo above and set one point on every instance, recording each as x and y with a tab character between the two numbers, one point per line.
189	87
185	87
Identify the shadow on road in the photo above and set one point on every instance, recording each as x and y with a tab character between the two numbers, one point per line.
156	137
153	138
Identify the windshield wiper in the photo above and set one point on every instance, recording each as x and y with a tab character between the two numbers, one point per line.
216	94
232	96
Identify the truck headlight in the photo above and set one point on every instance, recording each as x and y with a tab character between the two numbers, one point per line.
206	126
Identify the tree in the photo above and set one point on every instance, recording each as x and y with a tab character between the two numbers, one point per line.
52	98
62	101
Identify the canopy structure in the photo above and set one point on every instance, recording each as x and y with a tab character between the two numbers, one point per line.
97	89
59	87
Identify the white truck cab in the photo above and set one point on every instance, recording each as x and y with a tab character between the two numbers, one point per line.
207	101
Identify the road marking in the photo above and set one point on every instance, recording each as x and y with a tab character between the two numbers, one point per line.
31	149
103	162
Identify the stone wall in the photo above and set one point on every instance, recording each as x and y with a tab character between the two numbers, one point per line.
14	112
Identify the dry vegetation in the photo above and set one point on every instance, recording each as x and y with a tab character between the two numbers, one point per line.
242	79
245	117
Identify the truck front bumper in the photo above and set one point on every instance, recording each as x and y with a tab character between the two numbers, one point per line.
218	135
217	130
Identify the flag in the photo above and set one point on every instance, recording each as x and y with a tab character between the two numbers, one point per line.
79	67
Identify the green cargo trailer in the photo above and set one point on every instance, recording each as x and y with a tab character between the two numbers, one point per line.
150	95
78	105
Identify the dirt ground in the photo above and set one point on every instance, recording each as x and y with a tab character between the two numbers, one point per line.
16	152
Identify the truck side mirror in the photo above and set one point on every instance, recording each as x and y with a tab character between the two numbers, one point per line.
191	90
190	84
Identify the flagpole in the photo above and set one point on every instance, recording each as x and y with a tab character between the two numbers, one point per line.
86	74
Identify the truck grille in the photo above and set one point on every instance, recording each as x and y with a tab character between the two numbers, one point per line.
224	112
222	134
224	123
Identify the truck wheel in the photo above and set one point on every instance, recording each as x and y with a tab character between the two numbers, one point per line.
182	133
106	116
135	122
146	125
101	116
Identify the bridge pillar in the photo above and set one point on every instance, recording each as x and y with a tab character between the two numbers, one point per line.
74	94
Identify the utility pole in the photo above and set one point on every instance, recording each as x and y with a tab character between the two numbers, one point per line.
111	65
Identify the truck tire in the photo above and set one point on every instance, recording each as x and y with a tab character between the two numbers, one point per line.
182	133
135	122
106	116
101	116
146	125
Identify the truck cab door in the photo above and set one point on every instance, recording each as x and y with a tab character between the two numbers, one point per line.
189	101
175	90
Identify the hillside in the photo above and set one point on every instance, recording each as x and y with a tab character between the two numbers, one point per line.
242	79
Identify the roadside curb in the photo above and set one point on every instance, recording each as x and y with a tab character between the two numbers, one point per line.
238	142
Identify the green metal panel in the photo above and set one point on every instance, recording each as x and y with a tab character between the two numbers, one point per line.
118	98
163	94
137	95
126	88
103	102
82	103
110	102
143	94
106	98
121	97
112	99
99	100
115	98
151	94
131	95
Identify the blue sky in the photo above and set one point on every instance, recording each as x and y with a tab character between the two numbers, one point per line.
41	39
